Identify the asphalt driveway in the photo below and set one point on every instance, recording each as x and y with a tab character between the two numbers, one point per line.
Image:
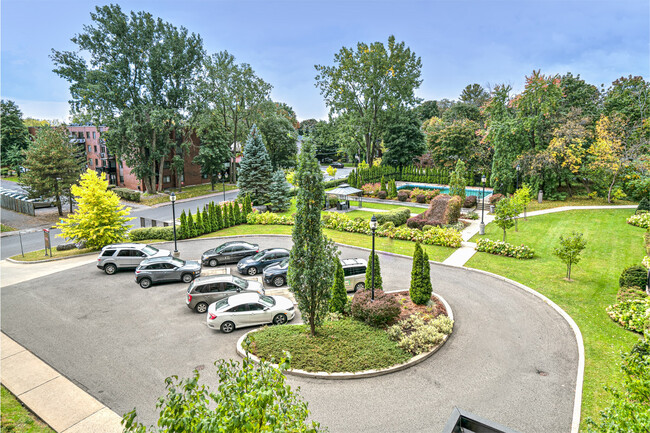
511	358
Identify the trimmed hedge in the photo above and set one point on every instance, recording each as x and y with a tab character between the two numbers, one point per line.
127	194
452	213
403	195
501	248
442	210
382	312
633	276
146	233
397	216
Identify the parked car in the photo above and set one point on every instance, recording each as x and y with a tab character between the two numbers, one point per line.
253	265
249	309
207	290
276	273
164	269
230	252
127	256
337	164
326	160
354	271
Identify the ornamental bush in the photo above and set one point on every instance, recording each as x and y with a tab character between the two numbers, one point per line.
397	216
644	205
452	213
633	276
419	333
371	189
149	233
640	220
402	195
266	218
127	194
382	312
496	198
629	293
632	315
382	194
420	198
501	248
470	201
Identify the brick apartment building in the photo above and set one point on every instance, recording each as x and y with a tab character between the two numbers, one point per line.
99	158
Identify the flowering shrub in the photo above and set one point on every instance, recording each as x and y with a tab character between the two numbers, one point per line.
640	220
384	310
265	218
646	262
632	315
501	248
371	188
419	333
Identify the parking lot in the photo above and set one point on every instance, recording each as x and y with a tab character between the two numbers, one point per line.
119	342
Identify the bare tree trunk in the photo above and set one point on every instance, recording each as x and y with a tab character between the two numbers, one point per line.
609	192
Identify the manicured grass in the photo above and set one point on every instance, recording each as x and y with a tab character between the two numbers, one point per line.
341	346
573	201
40	254
11	178
4	228
612	245
397	204
16	418
436	253
188	192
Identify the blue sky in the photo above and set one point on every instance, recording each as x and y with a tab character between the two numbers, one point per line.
460	42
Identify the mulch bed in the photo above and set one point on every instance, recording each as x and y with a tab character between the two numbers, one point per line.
408	307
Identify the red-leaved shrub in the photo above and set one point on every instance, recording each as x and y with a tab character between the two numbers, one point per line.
402	195
470	201
382	312
496	198
382	194
420	198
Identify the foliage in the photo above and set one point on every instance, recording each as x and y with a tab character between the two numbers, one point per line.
128	194
496	198
279	195
100	219
265	218
339	299
397	216
640	220
501	248
378	283
505	214
523	196
331	171
403	139
280	139
378	313
403	195
569	250
474	94
363	82
214	150
632	314
457	182
629	293
426	110
311	261
633	276
255	169
449	142
420	333
416	291
14	135
251	398
149	233
136	77
452	213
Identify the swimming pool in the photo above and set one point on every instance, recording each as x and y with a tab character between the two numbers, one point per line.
445	189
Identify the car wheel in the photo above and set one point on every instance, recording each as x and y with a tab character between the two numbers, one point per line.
359	286
201	307
278	281
227	327
145	283
110	269
279	319
213	263
187	278
252	271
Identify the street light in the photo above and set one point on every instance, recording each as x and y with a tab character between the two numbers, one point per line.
172	198
373	227
223	184
518	169
481	227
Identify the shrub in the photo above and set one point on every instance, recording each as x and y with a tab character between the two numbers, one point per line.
629	293
632	314
383	311
470	201
501	248
426	227
397	216
434	216
332	200
266	218
420	198
371	189
402	195
147	233
471	215
496	198
416	223
452	213
127	194
633	276
640	220
644	204
382	194
388	225
419	333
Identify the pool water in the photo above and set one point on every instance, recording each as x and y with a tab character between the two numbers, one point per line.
445	189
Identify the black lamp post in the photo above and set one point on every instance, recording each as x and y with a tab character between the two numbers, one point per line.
481	227
518	169
373	227
172	198
223	184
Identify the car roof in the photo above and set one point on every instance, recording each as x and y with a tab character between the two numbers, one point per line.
213	279
243	298
237	243
353	262
158	260
125	245
268	250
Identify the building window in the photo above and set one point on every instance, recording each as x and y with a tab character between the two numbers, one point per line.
90	162
167	179
166	165
94	134
87	134
95	149
121	179
204	176
122	164
96	162
90	148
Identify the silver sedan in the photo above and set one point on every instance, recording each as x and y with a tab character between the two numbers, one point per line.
249	309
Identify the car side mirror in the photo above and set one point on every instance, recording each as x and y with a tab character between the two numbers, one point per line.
238	289
266	309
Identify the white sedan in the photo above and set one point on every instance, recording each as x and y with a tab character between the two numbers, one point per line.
249	309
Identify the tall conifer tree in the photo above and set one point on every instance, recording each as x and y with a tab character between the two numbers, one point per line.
255	168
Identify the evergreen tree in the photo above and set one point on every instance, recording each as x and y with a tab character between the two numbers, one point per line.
382	186
237	212
255	168
226	215
182	232
15	135
207	224
311	262
427	289
191	229
212	216
200	229
339	294
249	206
279	195
231	214
378	282
394	189
100	219
415	291
217	211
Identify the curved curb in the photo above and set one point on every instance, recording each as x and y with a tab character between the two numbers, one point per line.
360	374
35	262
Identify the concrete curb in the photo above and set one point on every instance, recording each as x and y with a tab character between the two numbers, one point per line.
34	262
360	374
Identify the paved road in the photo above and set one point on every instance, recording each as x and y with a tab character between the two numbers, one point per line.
511	357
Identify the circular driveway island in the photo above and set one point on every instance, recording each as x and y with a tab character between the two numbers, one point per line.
511	358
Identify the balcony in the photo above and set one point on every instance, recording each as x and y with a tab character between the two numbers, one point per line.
75	140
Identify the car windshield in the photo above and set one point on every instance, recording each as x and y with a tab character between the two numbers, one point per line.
284	263
259	255
267	300
240	282
220	304
220	248
149	250
178	262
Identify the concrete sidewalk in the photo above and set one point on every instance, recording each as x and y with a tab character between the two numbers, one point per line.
60	403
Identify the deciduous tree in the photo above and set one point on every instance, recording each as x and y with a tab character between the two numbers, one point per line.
505	214
569	250
214	150
403	139
14	135
280	139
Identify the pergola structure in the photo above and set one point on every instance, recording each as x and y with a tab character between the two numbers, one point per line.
343	192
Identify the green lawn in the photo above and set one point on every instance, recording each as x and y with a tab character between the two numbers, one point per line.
4	228
188	192
11	178
574	201
40	254
397	204
17	419
612	245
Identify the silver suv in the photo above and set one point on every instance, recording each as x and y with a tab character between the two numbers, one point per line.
127	256
354	271
206	290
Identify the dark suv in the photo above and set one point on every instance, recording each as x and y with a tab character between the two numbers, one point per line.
255	264
230	252
205	290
